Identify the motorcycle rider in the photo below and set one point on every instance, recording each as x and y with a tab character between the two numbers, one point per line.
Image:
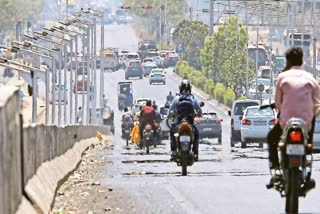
147	116
185	90
297	95
170	97
126	118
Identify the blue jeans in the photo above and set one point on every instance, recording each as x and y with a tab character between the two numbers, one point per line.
173	144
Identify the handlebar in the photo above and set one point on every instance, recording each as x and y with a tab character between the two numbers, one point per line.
272	105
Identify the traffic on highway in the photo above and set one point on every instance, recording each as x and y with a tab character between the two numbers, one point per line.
204	110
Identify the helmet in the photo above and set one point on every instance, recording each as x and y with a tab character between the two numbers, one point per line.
148	103
125	109
185	86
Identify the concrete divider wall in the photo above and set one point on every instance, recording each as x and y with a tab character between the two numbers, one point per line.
22	153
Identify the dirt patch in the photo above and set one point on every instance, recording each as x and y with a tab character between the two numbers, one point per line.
82	193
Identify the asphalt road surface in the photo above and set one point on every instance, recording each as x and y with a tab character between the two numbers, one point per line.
224	180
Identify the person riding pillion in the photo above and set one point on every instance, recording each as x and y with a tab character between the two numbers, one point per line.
184	106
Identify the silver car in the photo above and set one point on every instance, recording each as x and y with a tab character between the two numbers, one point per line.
157	75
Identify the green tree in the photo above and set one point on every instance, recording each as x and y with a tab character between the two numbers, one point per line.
12	11
220	57
191	34
150	18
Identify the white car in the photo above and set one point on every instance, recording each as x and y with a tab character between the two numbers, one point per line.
236	113
137	103
157	75
316	135
132	56
256	123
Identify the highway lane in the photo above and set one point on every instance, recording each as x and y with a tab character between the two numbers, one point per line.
225	180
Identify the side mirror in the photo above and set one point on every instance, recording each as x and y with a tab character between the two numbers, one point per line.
201	104
229	113
240	117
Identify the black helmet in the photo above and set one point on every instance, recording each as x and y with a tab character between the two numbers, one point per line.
148	103
125	109
185	86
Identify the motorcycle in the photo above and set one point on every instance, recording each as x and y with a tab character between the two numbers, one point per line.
148	138
184	137
126	131
295	158
158	138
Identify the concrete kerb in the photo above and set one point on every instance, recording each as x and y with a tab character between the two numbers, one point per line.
205	96
41	188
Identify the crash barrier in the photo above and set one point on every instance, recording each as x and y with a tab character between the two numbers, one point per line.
24	149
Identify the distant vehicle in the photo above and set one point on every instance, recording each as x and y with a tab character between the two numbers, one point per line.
162	55
262	54
293	37
157	75
121	20
144	46
280	63
264	72
78	84
209	126
236	113
108	117
134	69
125	95
154	56
110	59
165	130
147	60
147	67
255	125
137	103
122	60
59	96
171	59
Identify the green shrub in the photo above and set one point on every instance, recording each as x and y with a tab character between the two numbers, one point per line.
182	67
229	97
208	86
219	91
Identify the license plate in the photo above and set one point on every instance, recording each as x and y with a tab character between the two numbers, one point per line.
207	129
184	138
260	123
126	131
295	149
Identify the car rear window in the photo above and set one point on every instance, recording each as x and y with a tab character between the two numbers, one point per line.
240	107
209	115
152	54
134	63
259	112
132	56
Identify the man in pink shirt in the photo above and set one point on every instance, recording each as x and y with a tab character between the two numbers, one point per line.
297	95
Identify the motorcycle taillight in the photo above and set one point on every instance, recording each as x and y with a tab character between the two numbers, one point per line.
295	136
184	127
126	126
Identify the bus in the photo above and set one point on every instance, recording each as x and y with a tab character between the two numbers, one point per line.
262	54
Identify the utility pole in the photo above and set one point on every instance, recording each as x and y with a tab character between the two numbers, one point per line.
314	66
190	10
211	16
247	61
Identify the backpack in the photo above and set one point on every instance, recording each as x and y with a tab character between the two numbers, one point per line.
185	108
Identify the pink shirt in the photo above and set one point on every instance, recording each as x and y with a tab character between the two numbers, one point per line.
297	95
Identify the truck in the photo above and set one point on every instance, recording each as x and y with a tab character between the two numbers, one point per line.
109	59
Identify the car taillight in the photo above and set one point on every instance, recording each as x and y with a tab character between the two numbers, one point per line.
218	120
295	136
273	122
246	122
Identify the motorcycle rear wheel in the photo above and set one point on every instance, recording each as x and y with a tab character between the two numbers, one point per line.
292	197
184	164
147	146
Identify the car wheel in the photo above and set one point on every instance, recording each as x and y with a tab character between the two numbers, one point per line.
150	83
261	145
141	77
243	143
220	140
164	83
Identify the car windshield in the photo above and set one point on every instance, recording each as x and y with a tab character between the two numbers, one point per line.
240	107
257	112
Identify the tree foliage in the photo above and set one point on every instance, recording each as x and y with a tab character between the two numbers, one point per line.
220	58
175	11
191	35
12	11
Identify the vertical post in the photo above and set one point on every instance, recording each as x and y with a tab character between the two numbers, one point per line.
314	66
190	10
247	59
257	59
71	78
293	22
88	75
54	73
84	43
95	70
160	23
211	17
237	35
65	84
47	80
67	9
59	89
75	82
34	96
101	61
302	25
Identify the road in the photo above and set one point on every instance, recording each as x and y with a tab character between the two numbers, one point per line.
225	180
